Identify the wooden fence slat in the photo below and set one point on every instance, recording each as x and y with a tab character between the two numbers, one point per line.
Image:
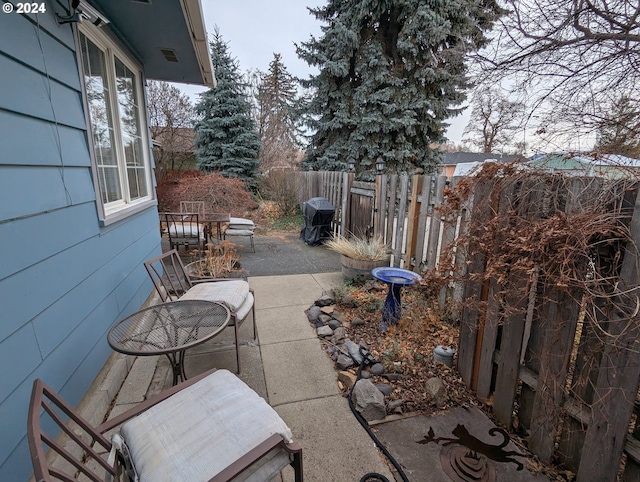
434	225
391	200
425	200
380	207
411	256
491	317
510	345
402	211
489	334
347	181
619	373
473	292
559	313
445	263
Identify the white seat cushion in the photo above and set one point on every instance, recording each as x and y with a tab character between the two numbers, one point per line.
202	429
232	293
241	223
238	232
182	230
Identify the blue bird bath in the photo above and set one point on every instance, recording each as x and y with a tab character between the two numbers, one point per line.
395	278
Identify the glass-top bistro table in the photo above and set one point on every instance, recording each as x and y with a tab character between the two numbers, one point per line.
169	329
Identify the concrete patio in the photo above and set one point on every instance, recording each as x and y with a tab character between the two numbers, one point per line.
288	367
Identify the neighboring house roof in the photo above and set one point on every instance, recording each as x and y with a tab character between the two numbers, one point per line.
603	164
453	158
168	36
177	139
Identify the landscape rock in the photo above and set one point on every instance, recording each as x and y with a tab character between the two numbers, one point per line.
327	298
357	322
384	388
339	334
324	318
343	362
348	378
328	310
325	331
377	369
354	351
313	313
393	377
318	324
368	400
334	324
338	316
365	374
436	390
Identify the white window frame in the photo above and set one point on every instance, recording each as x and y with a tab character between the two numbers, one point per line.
114	211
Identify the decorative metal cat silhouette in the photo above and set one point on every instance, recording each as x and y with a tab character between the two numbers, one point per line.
476	446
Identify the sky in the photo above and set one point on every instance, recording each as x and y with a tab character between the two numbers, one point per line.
256	29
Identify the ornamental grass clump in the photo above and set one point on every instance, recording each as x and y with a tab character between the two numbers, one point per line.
360	248
219	260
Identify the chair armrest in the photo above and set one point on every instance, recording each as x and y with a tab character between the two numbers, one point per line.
254	455
211	280
147	404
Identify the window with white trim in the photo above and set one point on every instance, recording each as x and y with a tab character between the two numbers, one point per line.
115	106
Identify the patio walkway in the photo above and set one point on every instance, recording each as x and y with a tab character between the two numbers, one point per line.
289	369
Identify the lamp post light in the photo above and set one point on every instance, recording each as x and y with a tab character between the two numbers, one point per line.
379	165
352	166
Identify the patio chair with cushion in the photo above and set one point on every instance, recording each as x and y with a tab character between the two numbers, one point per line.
241	227
212	427
192	207
184	229
173	283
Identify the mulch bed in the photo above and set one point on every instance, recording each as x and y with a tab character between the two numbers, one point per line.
407	349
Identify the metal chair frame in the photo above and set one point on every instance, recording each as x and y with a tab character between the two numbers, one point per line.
84	448
172	281
187	230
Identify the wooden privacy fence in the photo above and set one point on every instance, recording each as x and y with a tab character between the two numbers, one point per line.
555	347
559	362
400	209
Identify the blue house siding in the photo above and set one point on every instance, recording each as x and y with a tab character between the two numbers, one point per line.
64	278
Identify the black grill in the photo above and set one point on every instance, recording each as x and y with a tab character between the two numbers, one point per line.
318	215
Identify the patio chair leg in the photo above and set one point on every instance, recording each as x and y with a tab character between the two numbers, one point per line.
235	327
253	314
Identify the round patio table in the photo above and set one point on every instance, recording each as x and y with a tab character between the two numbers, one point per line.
169	329
396	278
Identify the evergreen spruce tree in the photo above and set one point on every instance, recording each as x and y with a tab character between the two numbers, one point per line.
391	73
277	117
226	138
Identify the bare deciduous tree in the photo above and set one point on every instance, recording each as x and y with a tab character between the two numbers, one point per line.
171	117
571	57
494	120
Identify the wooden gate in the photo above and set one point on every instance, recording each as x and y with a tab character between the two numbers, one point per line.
361	203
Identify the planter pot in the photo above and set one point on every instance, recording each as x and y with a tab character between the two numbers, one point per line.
193	268
352	268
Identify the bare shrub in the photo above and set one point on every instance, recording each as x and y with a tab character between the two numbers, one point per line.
284	189
220	194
